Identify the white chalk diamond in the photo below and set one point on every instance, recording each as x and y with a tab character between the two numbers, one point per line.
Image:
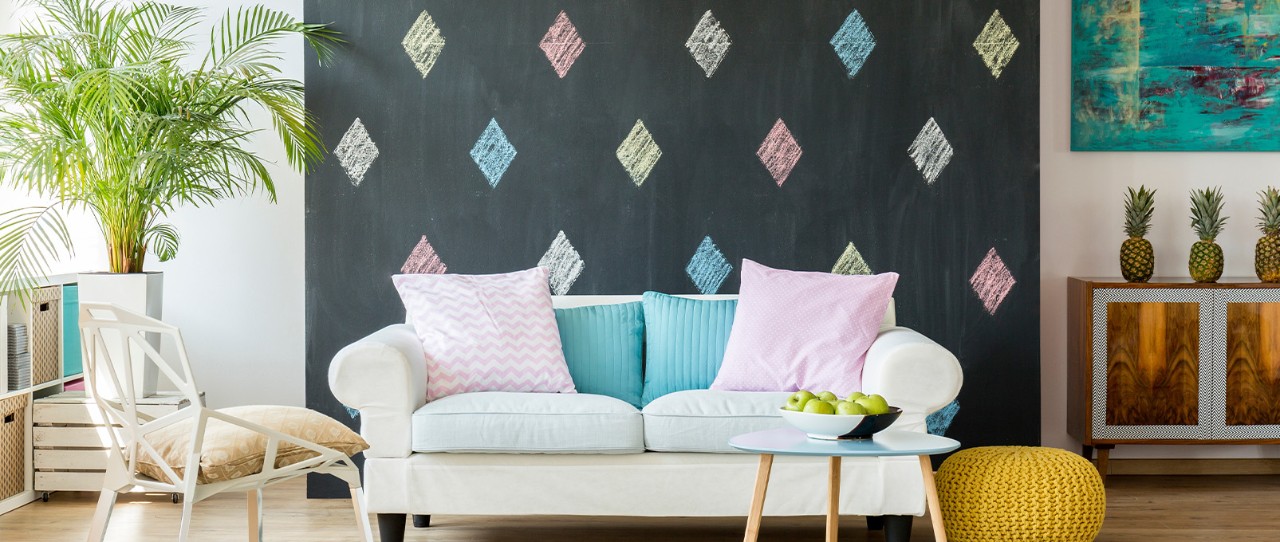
931	151
356	152
563	263
708	44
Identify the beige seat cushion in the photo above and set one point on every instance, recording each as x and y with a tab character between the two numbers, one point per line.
231	451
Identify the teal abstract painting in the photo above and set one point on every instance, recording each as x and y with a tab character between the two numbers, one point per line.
1175	75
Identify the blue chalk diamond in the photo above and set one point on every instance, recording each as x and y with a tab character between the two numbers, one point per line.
351	411
853	43
940	421
708	268
493	153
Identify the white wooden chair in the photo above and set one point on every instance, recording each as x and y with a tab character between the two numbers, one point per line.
127	332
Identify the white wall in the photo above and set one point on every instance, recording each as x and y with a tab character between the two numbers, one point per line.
1081	228
236	287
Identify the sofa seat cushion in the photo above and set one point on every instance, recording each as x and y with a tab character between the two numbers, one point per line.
704	420
533	423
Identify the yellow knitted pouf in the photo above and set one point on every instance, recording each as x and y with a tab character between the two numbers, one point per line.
1020	494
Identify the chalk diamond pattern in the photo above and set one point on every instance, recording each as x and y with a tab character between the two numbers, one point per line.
851	263
563	263
493	153
423	43
351	412
992	281
779	152
423	260
356	152
708	268
708	44
562	45
996	44
639	153
931	151
853	43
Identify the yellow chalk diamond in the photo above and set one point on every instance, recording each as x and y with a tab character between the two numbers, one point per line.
639	153
996	44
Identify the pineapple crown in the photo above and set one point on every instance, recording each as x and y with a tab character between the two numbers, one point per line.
1206	213
1269	207
1139	206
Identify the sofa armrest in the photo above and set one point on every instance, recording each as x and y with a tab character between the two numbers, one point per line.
384	376
911	371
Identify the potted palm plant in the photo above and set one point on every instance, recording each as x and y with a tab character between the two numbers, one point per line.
106	108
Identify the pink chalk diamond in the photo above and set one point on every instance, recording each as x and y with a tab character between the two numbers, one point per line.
423	260
779	152
562	45
992	281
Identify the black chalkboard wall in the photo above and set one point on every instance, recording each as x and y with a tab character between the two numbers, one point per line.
856	181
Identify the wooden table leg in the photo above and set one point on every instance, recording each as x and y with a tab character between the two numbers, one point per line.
931	495
757	499
833	500
1104	456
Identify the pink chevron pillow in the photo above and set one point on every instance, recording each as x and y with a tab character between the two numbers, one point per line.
486	332
802	330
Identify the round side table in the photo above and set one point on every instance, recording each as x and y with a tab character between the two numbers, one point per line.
788	441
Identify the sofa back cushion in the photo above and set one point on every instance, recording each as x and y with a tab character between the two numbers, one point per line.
684	342
486	332
604	348
803	330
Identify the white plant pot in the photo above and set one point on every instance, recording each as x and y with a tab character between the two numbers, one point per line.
137	292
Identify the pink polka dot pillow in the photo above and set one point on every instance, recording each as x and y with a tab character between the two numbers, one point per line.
803	330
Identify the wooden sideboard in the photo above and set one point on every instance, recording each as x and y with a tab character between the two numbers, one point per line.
1172	362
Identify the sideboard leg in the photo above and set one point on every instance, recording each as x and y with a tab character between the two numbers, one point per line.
421	521
875	523
391	527
1087	452
897	528
1104	456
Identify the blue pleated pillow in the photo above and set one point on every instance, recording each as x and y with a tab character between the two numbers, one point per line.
604	348
684	342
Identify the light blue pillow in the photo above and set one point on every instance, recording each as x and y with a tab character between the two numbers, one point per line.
684	342
604	348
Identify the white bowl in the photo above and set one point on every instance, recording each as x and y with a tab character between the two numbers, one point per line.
840	426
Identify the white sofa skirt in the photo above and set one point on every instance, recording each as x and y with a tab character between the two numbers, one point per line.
645	484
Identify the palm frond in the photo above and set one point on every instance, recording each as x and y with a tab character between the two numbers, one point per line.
30	238
163	241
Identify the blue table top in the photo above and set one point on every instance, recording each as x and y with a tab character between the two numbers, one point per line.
789	441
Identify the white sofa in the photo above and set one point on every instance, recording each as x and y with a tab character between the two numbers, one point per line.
499	453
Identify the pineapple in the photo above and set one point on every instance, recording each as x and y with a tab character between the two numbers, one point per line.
1205	263
1137	258
1266	255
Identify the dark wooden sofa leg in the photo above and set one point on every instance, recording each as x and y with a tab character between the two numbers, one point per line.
391	527
875	523
897	528
421	521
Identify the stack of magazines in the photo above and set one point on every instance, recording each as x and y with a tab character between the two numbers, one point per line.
19	362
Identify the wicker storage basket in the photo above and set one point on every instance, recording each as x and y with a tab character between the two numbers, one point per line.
46	340
13	468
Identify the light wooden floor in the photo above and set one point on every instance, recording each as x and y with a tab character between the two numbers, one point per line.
1139	509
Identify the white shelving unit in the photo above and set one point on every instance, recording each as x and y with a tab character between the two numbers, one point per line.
11	311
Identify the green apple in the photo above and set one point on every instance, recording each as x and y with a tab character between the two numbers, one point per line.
875	404
797	400
847	408
819	407
855	396
828	396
